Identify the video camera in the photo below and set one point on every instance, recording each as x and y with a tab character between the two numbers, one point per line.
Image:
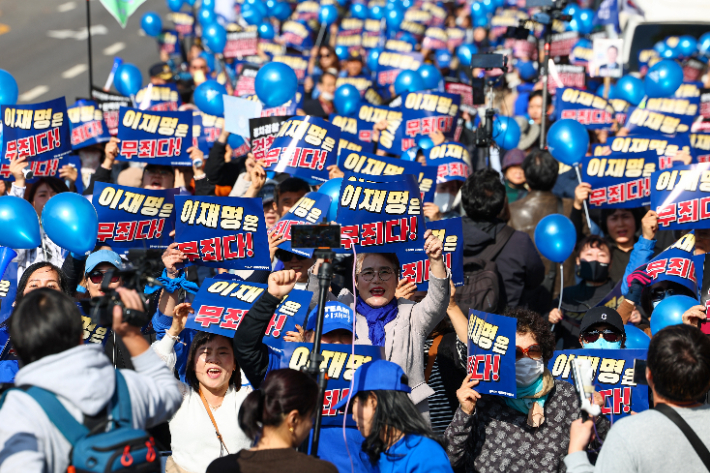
139	273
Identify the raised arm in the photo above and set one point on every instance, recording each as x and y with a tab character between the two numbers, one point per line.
432	309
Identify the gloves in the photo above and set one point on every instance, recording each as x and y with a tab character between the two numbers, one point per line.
637	281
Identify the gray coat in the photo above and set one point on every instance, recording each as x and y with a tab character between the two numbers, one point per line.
406	334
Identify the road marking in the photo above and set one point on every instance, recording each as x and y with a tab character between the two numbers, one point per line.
74	71
114	48
32	94
64	7
79	34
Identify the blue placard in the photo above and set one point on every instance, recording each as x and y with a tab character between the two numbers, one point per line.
198	137
700	147
620	180
636	146
389	140
87	124
427	112
415	266
340	363
590	110
390	64
37	132
348	126
381	217
130	217
159	98
310	209
373	165
155	137
50	167
220	306
297	35
451	159
212	126
8	291
304	147
681	197
356	145
641	120
491	355
427	183
678	264
677	106
613	377
222	232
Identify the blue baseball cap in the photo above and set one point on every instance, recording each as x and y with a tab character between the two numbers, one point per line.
337	316
102	256
380	375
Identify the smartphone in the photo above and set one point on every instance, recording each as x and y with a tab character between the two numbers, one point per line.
640	371
487	61
315	236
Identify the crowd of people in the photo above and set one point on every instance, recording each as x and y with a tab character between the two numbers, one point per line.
211	403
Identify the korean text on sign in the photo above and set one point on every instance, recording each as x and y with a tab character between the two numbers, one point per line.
491	353
155	137
36	132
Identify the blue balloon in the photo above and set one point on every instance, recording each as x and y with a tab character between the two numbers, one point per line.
252	14
281	11
235	141
704	44
359	11
526	70
430	75
555	237
190	2
663	79
71	222
175	5
372	57
209	58
571	9
208	4
406	4
630	88
394	18
376	12
208	97
465	52
327	15
670	312
331	188
585	18
612	91
270	4
687	45
488	5
408	81
152	24
266	30
214	37
206	16
477	9
20	223
8	89
347	99
275	84
635	337
128	79
506	132
443	58
6	257
480	22
568	141
259	5
424	142
342	52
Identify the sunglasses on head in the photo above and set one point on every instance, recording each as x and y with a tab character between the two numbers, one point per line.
97	276
286	256
533	352
593	336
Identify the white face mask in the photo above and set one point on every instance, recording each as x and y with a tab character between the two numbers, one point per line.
445	201
527	371
327	96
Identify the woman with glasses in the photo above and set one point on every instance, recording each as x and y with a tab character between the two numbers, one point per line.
524	433
399	325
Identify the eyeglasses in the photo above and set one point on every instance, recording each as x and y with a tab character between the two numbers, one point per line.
593	336
533	352
325	56
384	273
97	276
286	256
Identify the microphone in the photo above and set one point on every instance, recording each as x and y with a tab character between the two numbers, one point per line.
28	173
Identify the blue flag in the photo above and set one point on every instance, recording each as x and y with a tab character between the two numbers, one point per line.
222	232
607	14
491	356
87	124
155	137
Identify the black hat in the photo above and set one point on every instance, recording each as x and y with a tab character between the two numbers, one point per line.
354	55
161	70
602	315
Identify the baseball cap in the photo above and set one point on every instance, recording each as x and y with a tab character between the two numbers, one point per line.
514	157
602	315
337	316
102	256
354	55
161	70
380	375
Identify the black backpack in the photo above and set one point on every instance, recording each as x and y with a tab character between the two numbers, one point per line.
483	285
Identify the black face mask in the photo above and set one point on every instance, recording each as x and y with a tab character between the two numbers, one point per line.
593	271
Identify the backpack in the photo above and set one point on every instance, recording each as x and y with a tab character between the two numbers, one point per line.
483	285
121	449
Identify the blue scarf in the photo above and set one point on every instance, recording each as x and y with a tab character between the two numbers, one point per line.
172	285
377	318
523	400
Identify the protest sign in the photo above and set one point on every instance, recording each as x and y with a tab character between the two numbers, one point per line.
339	362
390	64
221	305
87	124
130	217
415	266
241	43
296	35
426	112
451	159
47	168
8	291
198	137
212	126
110	104
156	137
606	60
304	147
36	132
169	43
581	53
238	112
262	132
355	145
245	80
681	197
298	63
381	217
588	109
676	106
565	76
700	147
612	300
677	264
365	163
222	232
388	137
348	127
613	377
491	356
643	121
311	209
427	183
184	22
561	44
159	98
362	83
435	38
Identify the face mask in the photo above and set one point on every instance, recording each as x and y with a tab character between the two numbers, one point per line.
90	158
601	343
444	201
527	371
593	271
327	96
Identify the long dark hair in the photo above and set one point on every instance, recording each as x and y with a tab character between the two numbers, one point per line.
395	412
22	283
200	340
54	183
281	392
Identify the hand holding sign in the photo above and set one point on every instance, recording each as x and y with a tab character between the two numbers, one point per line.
467	396
282	282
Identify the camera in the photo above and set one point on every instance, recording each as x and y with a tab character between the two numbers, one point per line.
488	61
315	236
